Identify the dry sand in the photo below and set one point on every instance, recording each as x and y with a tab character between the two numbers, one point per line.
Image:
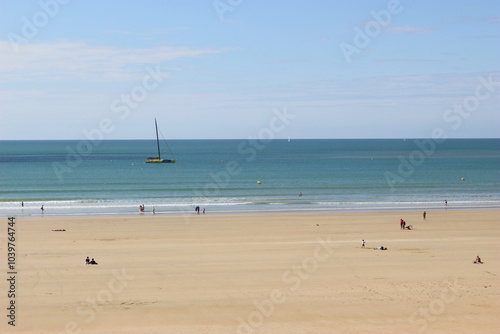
263	273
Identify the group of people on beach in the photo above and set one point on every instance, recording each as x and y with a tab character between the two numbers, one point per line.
41	209
88	261
197	210
142	208
403	226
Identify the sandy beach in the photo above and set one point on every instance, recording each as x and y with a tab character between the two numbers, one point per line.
259	273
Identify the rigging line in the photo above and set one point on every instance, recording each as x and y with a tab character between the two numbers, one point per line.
163	138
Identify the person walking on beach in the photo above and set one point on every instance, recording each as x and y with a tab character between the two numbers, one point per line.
363	243
424	214
197	210
203	210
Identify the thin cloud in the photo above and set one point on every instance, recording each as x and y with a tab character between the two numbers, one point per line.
491	19
406	60
476	37
408	30
147	34
65	60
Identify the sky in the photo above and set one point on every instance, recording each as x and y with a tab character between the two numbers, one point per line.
238	69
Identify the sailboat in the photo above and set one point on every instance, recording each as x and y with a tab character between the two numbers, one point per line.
158	159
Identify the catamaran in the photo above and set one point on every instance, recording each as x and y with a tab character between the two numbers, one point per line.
158	159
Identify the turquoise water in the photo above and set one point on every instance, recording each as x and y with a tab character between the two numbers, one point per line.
111	177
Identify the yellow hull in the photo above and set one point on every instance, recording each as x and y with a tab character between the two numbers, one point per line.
157	160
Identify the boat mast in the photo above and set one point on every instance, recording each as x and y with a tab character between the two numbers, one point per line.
157	140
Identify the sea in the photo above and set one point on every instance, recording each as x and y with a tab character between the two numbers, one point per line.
110	177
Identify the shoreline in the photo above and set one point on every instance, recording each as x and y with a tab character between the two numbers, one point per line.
248	212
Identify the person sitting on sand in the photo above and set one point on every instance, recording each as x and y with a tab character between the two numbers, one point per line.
87	260
478	260
93	261
409	227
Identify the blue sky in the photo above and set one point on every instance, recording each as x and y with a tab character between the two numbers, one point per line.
226	68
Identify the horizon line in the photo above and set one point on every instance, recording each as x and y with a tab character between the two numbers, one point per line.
287	138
